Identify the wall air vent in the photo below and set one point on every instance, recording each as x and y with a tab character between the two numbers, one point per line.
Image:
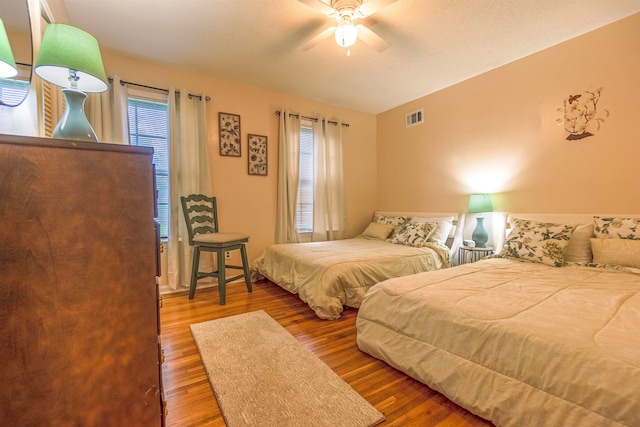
415	118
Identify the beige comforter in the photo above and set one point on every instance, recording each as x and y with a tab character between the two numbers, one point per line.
330	275
520	344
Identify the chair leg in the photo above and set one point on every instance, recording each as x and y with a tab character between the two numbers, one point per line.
194	271
222	279
245	266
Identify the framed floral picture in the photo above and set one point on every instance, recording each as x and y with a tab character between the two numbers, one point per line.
257	158
229	134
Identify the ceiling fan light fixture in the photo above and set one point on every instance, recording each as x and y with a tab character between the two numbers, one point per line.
346	35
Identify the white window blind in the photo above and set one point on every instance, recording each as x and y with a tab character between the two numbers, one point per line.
12	91
304	208
149	127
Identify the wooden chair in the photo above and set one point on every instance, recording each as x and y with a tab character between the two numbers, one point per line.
201	216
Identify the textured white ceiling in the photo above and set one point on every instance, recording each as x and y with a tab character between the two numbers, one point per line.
434	43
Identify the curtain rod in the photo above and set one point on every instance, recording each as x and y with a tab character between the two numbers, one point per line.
123	82
315	119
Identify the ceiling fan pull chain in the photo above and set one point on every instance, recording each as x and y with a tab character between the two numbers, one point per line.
348	51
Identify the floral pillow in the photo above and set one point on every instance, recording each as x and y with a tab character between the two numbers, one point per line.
396	221
537	241
415	234
619	228
444	226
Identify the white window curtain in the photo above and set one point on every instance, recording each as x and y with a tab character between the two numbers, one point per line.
189	173
329	213
107	113
288	175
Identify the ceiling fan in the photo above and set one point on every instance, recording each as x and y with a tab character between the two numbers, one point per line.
346	12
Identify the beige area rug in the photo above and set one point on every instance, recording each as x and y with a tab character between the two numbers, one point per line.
262	376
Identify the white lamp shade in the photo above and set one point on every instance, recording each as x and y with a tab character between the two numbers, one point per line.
346	35
8	66
65	48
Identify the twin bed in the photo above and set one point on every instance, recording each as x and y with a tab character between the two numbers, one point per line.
332	275
545	334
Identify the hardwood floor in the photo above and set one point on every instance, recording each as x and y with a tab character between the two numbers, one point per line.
190	400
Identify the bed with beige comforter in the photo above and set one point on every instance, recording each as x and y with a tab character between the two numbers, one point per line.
517	343
331	275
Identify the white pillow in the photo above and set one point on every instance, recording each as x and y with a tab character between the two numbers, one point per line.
442	231
579	249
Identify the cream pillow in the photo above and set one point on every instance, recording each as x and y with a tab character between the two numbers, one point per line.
378	230
441	235
414	234
622	252
537	241
579	249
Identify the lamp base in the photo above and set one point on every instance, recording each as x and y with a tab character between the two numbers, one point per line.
74	124
480	236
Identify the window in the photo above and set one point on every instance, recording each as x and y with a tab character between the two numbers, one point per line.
149	127
304	208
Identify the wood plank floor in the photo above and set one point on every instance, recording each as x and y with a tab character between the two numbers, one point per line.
190	400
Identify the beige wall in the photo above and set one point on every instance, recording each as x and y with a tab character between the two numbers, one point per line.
493	133
497	133
248	203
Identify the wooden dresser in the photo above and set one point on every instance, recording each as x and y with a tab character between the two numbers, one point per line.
79	321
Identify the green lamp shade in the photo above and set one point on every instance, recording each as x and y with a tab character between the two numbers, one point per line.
66	48
70	58
479	203
8	66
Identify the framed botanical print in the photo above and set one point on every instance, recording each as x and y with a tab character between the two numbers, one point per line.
229	125
257	158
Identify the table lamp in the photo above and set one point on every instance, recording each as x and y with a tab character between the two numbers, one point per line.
480	203
70	58
8	66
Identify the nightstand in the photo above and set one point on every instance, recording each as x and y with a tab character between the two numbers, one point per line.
468	255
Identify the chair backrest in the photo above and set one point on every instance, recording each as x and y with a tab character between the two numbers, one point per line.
200	214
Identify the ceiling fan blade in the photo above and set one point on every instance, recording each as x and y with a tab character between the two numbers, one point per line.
372	39
319	6
317	39
370	7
